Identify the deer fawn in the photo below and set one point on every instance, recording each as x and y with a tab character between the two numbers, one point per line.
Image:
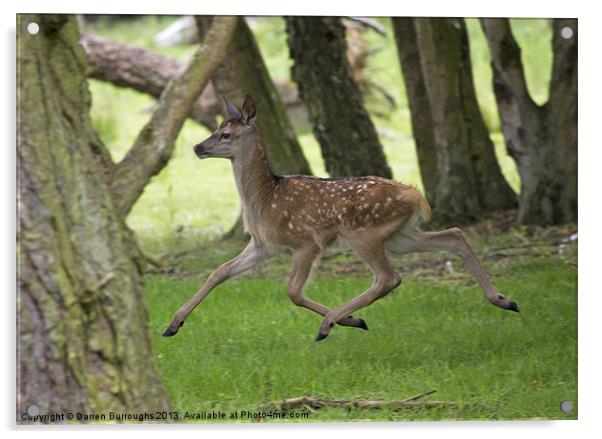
304	214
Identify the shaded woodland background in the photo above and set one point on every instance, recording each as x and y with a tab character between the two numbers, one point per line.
480	114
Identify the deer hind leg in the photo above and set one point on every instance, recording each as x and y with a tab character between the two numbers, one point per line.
303	260
451	240
385	281
249	257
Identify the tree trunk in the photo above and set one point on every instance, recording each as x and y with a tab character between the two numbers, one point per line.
341	124
457	159
154	145
420	109
83	340
243	72
144	71
541	139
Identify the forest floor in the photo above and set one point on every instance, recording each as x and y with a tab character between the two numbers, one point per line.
247	344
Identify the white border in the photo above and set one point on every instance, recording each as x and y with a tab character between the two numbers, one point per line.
590	100
465	8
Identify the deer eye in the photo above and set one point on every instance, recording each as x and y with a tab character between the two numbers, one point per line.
225	136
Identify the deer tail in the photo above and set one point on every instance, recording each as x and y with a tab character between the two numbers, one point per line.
424	208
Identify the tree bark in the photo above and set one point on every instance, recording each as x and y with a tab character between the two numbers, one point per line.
457	159
243	72
154	145
341	124
133	67
82	331
541	139
420	109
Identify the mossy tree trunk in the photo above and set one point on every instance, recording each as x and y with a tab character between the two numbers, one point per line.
460	172
243	72
83	341
341	124
541	139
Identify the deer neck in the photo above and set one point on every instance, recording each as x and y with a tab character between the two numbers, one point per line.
254	178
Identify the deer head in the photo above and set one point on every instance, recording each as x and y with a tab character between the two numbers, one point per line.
228	140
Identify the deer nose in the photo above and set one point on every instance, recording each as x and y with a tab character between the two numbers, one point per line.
198	148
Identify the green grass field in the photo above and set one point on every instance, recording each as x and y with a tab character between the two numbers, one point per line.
248	344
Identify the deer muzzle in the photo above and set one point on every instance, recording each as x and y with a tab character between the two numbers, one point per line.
201	151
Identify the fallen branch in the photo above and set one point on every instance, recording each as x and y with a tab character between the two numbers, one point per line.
369	23
513	250
133	67
510	250
308	402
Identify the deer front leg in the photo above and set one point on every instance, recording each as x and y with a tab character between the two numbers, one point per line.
385	280
303	261
249	257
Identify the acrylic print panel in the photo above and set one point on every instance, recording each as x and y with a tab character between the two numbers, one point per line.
363	143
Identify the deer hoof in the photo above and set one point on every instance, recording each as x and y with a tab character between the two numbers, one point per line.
321	336
363	325
169	332
513	306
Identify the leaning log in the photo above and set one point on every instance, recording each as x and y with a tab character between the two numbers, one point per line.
133	67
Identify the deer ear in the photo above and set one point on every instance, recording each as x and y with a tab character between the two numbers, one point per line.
248	110
233	112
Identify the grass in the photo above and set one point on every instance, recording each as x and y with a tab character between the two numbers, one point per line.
248	344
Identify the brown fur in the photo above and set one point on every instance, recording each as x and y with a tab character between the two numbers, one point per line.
298	209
